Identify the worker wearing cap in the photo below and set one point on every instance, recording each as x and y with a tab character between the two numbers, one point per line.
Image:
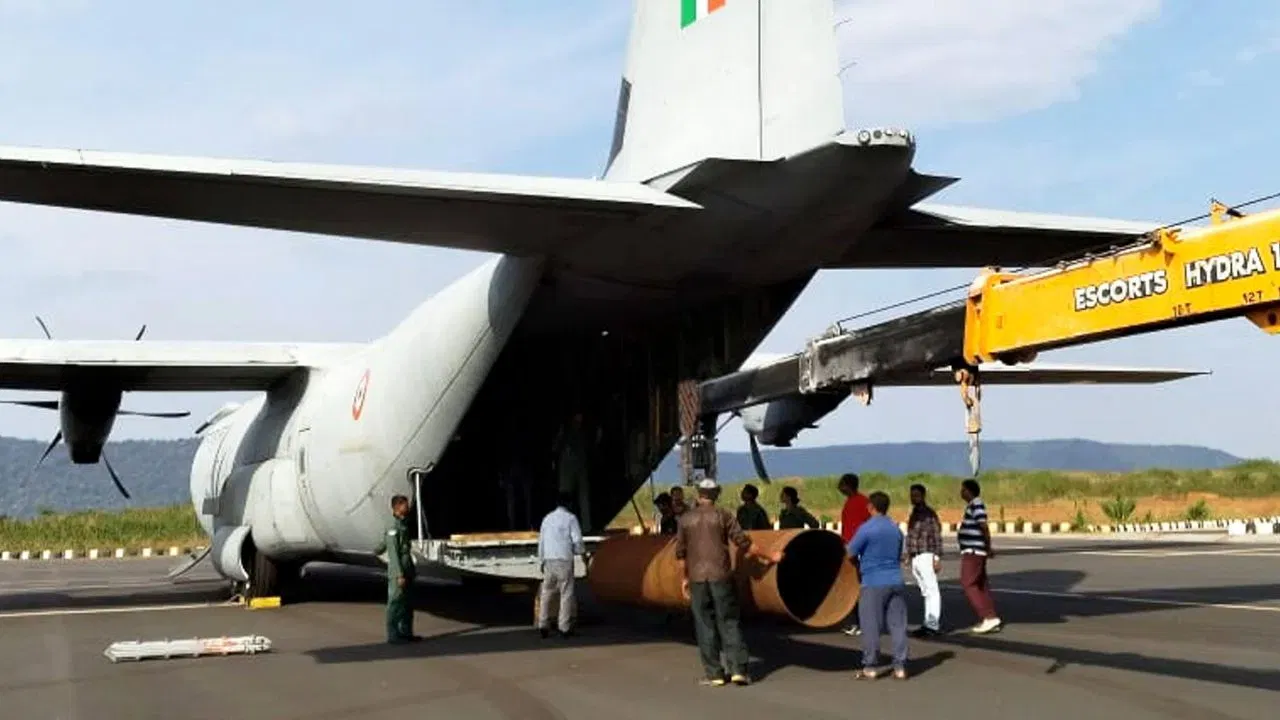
702	551
400	574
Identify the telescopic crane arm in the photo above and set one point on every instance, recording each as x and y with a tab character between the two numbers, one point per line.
1174	278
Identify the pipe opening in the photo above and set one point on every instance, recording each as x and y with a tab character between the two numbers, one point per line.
817	584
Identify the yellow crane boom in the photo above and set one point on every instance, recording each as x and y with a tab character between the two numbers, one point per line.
1176	278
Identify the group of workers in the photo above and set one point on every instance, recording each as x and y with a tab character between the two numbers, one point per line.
704	533
879	549
876	546
751	514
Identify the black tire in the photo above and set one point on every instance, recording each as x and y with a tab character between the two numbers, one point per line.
264	578
271	578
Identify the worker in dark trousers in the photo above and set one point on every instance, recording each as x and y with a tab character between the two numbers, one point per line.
877	548
702	551
400	574
792	516
751	515
666	519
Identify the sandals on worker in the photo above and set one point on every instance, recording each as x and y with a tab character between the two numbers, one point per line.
866	674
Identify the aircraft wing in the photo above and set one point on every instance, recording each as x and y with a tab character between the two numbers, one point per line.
1047	374
929	235
493	213
159	366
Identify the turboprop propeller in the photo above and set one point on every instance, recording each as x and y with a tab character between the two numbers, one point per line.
57	405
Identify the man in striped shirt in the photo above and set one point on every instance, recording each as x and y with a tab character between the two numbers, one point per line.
975	550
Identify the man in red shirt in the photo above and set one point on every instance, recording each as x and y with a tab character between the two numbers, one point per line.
855	513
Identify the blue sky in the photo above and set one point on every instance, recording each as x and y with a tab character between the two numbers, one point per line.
1136	109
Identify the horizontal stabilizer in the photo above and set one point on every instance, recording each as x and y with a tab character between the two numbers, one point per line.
766	377
931	235
492	213
1048	374
159	366
917	187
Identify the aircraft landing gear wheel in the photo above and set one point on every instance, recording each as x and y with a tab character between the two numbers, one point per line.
269	578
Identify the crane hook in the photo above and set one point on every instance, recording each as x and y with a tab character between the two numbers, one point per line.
971	393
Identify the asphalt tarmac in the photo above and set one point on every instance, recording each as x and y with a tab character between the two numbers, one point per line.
1103	629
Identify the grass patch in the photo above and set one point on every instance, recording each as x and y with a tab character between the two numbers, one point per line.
1082	497
1082	493
94	529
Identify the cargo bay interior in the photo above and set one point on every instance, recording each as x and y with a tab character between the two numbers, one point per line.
621	375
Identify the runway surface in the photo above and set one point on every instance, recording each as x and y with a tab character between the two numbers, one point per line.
1114	628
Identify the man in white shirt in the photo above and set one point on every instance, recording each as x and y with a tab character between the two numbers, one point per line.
559	541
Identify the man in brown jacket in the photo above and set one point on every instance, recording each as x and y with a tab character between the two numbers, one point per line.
702	547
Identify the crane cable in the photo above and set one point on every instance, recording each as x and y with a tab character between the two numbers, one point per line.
1052	261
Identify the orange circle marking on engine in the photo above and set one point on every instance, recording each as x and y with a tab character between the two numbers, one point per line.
357	403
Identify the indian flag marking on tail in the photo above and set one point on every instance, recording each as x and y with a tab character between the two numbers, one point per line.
691	10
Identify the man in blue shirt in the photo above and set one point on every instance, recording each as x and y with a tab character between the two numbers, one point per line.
559	541
877	549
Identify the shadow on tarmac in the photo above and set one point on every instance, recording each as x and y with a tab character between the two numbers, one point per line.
197	591
507	622
507	625
1042	609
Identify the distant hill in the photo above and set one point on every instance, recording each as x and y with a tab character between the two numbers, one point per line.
953	458
156	472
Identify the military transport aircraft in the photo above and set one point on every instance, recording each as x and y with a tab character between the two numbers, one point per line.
730	181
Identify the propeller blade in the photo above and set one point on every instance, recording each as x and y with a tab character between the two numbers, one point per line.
44	327
114	477
757	460
140	413
42	404
186	565
53	444
140	332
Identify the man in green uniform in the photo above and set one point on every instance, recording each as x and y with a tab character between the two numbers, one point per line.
792	516
751	515
400	574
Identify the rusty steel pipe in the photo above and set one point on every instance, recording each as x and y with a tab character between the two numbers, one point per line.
815	584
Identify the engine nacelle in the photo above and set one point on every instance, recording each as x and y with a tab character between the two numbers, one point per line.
277	512
777	422
230	552
86	415
267	501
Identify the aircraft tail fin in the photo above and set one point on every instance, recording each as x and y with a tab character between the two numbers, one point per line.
732	79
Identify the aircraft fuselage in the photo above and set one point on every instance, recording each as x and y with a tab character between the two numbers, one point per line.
484	374
309	467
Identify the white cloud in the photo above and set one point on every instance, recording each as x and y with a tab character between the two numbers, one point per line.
1250	53
1204	78
926	63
